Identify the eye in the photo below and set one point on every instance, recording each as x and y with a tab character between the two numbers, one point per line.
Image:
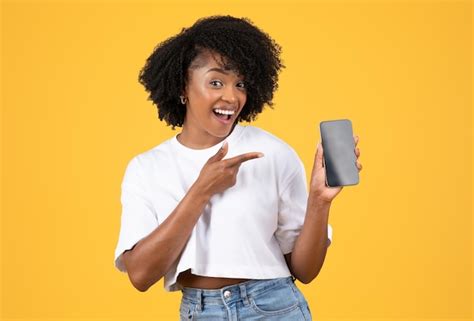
240	84
215	81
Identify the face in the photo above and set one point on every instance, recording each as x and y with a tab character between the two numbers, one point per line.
216	96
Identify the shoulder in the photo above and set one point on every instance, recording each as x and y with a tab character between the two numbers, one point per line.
151	158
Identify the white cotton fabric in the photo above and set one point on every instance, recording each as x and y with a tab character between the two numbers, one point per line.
244	231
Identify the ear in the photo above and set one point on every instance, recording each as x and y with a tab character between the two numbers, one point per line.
184	92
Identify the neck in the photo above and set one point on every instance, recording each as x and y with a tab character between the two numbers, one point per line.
196	139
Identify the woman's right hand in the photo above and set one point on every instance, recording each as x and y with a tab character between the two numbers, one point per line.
218	175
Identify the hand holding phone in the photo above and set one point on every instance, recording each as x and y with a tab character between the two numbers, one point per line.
339	158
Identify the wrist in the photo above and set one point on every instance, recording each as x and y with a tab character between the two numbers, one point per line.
199	193
320	201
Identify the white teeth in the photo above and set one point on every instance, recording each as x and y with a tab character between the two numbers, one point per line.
224	112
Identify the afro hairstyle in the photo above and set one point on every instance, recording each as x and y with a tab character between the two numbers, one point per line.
243	47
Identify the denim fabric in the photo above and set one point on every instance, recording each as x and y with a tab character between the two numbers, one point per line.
269	299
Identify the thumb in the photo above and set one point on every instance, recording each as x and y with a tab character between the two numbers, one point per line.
220	153
318	162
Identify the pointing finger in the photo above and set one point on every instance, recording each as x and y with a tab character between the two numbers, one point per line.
237	160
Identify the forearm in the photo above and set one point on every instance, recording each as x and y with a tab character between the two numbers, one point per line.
154	255
310	248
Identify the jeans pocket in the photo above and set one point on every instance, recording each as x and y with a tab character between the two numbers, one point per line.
277	300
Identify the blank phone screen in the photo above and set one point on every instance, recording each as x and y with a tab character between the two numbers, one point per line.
339	155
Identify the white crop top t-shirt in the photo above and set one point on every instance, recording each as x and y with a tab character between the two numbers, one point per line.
244	231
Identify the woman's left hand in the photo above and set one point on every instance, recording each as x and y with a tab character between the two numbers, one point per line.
318	176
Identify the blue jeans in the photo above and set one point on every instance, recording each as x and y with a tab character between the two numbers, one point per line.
269	299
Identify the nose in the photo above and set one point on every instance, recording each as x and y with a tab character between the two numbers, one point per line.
229	95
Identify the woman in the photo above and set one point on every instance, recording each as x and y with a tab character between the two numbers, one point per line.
221	210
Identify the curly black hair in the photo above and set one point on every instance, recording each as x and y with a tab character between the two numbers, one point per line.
243	47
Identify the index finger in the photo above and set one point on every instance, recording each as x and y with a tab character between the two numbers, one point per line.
237	160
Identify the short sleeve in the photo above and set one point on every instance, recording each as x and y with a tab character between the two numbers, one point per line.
138	217
292	205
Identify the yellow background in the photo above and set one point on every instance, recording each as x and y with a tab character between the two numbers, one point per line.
74	114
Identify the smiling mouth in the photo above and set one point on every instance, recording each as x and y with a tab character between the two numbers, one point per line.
224	114
224	119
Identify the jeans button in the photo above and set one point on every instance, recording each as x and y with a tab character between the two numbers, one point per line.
227	294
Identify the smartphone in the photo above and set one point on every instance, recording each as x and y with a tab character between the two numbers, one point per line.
339	156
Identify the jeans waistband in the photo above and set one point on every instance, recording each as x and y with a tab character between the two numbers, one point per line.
232	293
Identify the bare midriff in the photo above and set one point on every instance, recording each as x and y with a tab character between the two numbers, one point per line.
188	280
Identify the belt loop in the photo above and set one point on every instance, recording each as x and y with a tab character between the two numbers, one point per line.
199	299
243	294
293	279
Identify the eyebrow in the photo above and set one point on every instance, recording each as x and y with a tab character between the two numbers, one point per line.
218	70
